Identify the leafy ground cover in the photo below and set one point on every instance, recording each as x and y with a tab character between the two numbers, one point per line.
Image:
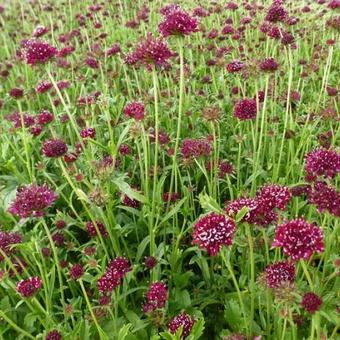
169	171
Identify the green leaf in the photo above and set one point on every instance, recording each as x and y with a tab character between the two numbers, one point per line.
128	191
241	214
124	331
208	203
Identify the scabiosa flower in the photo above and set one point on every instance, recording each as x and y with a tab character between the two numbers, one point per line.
39	31
274	196
53	335
325	198
195	148
7	239
16	92
114	49
166	197
311	302
156	296
150	52
322	162
58	239
299	239
269	65
115	272
235	66
150	262
92	62
245	109
134	110
177	22
213	231
91	229
28	287
54	148
76	271
88	133
43	86
184	320
32	200
276	13
278	273
37	51
44	117
18	119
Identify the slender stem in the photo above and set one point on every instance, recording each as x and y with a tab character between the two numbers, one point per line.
305	270
15	326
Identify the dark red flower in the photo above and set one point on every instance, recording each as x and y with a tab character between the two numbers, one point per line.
156	297
150	262
37	51
299	239
135	110
274	196
88	133
91	229
184	320
276	13
20	119
195	148
212	231
76	271
279	273
28	287
311	302
245	109
7	240
54	148
16	92
44	117
53	335
269	65
177	22
235	66
32	200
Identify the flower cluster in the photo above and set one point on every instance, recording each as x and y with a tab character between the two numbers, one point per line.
7	240
183	320
213	231
134	110
37	51
177	22
311	302
299	239
88	133
76	271
156	297
54	148
235	66
245	109
322	162
194	148
92	231
114	273
32	200
279	273
150	52
276	13
28	287
269	65
53	335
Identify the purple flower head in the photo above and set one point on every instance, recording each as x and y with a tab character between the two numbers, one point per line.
113	275
276	13
269	65
18	119
177	22
212	231
37	51
91	229
235	66
76	271
28	287
274	196
299	239
7	239
156	296
54	148
32	200
44	117
195	148
184	320
88	133
245	109
325	198
39	31
150	52
53	335
43	86
278	273
322	162
135	110
311	302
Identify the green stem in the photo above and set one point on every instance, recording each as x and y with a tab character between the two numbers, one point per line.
15	326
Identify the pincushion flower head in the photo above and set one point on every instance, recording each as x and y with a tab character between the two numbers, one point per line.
311	302
37	51
245	109
54	148
279	273
322	162
28	287
194	148
212	231
7	240
274	196
134	110
32	200
299	239
176	21
156	297
150	52
183	320
114	273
